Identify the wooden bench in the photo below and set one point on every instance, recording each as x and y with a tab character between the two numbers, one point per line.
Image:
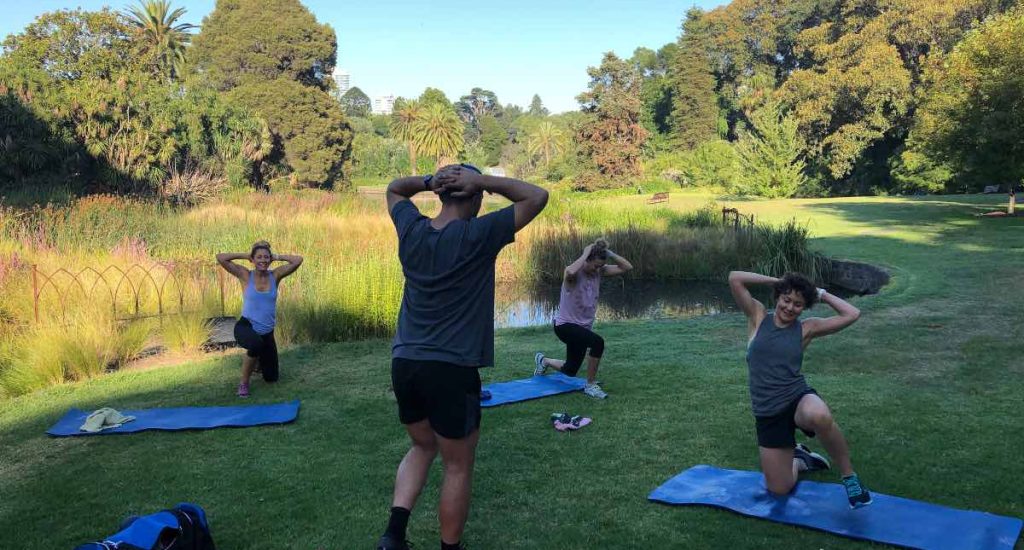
658	197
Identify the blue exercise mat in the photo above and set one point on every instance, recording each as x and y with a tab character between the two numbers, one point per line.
186	418
535	387
892	520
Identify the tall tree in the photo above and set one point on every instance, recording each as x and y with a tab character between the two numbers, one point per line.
161	36
253	40
694	102
973	109
403	121
546	140
438	132
492	137
613	135
273	57
537	107
656	92
474	106
431	96
770	155
355	102
477	103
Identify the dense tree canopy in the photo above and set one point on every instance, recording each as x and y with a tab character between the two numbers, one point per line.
765	97
80	104
973	111
272	57
263	40
849	73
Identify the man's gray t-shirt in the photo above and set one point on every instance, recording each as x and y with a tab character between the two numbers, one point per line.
447	309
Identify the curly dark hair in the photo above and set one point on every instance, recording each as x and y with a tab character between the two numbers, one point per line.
260	245
796	282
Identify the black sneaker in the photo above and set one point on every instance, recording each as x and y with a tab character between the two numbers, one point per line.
856	493
812	460
564	418
390	542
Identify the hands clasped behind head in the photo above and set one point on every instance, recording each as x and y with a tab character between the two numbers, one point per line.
455	181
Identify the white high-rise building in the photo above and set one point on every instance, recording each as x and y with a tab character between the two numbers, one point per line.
343	80
383	105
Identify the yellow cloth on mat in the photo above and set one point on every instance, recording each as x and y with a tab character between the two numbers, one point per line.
104	419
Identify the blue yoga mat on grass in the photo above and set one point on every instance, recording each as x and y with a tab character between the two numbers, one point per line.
534	387
823	506
185	418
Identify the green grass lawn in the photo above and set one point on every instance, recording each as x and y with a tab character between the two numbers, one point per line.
927	386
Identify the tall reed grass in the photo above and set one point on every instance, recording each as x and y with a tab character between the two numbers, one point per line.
85	346
349	286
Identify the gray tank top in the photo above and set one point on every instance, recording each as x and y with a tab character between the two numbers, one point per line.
774	358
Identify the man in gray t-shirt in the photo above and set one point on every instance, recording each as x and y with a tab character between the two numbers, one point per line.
446	330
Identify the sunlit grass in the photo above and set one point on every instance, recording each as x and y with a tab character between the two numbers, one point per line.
926	386
138	259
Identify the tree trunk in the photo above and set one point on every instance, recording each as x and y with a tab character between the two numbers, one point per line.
412	158
257	177
1013	202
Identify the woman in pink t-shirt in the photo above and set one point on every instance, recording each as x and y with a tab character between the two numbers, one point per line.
577	307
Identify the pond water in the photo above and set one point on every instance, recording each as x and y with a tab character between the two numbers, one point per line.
524	306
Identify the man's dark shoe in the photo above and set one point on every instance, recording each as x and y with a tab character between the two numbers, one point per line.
390	542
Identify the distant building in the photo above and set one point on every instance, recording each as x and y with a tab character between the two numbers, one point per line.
383	105
343	80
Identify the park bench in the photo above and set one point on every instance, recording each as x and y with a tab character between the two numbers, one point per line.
658	197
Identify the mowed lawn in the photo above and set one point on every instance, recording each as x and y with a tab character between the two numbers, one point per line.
928	387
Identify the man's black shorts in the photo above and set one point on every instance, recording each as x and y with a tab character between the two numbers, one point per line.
445	394
778	430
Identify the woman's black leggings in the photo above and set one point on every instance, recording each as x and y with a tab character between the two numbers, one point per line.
260	346
577	340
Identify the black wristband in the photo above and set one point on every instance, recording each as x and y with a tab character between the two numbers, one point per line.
426	182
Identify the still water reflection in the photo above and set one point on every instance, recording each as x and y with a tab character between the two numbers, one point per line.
523	306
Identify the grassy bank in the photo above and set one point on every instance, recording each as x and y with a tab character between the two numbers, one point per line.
348	288
926	385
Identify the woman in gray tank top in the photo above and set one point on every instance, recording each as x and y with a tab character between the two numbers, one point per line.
780	398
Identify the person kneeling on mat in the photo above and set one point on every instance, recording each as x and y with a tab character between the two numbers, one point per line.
781	399
254	330
577	308
445	331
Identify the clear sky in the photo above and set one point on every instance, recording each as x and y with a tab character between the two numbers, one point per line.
515	49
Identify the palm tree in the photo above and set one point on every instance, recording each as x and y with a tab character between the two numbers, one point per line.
160	36
254	143
402	121
438	132
547	139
